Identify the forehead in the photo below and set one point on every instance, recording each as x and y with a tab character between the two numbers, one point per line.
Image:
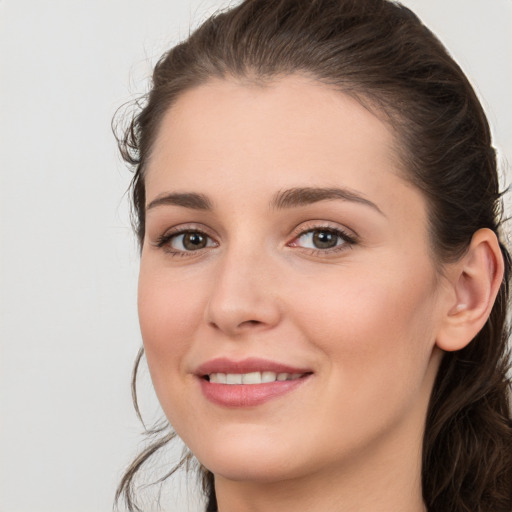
229	135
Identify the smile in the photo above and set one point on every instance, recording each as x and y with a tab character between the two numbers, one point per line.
251	378
248	383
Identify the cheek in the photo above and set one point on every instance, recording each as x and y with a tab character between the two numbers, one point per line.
376	336
169	312
373	329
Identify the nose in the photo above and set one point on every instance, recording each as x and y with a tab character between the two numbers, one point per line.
243	298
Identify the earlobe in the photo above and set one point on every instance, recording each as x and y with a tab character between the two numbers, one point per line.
475	280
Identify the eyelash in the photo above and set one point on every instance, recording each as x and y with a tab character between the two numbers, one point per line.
163	242
347	240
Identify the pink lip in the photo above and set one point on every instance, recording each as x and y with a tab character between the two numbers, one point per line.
247	395
252	364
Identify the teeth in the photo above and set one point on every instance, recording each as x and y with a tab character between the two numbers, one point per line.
252	377
219	378
268	377
233	378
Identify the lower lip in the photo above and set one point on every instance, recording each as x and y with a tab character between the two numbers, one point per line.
248	395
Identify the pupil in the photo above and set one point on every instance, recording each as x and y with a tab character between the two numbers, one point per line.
324	239
194	241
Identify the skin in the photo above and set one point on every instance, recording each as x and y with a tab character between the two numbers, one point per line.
363	316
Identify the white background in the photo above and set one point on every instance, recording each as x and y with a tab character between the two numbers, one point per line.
68	260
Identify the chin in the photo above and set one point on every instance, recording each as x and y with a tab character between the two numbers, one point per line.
246	458
254	471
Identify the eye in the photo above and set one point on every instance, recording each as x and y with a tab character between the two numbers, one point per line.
185	241
323	239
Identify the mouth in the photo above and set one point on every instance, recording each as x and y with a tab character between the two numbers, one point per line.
249	382
252	378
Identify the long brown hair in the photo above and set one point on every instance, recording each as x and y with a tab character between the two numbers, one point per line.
379	52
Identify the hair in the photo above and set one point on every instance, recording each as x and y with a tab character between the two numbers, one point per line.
380	53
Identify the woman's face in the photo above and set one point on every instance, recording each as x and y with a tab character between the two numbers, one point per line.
282	243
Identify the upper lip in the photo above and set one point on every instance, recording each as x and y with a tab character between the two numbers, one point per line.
252	364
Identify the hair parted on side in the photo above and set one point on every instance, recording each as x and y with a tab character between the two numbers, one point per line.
379	52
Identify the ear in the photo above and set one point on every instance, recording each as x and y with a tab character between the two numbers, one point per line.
474	282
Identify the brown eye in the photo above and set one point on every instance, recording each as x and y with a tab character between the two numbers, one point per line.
193	241
190	241
320	239
325	239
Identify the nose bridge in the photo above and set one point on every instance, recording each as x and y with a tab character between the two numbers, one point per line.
242	295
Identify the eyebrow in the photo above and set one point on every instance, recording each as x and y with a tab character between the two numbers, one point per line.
190	200
294	197
289	198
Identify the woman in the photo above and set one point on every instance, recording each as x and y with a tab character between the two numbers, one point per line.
323	290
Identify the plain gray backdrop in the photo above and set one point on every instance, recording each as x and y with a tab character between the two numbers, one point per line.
68	260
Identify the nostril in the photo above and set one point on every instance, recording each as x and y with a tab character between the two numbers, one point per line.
250	323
